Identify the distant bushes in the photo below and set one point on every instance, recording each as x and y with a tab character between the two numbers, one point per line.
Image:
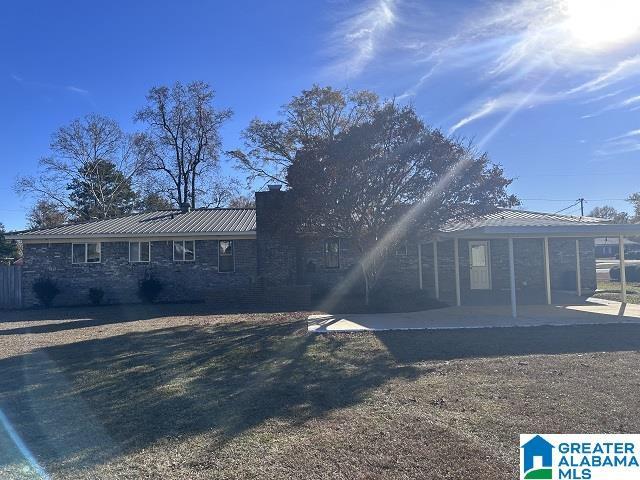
632	273
45	290
96	295
149	289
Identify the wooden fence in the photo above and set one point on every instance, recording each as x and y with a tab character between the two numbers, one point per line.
10	286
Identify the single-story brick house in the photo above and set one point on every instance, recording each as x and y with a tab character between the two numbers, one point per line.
608	247
244	256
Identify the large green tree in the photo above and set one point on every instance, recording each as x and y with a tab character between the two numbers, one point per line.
389	177
319	114
90	170
101	191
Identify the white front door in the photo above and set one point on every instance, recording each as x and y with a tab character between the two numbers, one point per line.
480	265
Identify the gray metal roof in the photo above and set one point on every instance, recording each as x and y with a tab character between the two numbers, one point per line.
512	218
205	222
506	222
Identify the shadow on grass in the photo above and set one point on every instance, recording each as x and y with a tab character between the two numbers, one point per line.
424	345
83	316
86	402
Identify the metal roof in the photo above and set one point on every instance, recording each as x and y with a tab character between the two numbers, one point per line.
506	222
512	218
199	222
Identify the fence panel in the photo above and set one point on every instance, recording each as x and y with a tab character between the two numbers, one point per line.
10	286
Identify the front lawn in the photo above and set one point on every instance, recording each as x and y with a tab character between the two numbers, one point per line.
174	392
610	290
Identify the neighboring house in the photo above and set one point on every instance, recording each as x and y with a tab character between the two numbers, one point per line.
247	256
608	247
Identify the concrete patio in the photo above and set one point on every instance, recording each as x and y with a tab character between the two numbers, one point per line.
579	312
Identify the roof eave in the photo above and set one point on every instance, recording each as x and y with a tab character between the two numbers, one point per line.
124	236
586	230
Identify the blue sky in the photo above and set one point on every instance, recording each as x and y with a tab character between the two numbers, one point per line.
549	88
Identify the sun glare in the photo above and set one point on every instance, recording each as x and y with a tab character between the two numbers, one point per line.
600	24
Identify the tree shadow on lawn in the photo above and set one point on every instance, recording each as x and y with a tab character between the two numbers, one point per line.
84	316
84	403
424	345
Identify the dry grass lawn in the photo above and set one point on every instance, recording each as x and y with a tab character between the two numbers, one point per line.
176	392
610	290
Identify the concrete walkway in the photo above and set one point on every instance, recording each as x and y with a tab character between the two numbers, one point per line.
590	311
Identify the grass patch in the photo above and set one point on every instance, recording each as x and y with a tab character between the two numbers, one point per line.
123	392
610	290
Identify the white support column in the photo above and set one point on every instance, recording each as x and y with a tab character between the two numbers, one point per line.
420	265
623	273
512	280
456	266
436	280
547	270
578	273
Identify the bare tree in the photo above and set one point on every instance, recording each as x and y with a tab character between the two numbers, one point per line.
79	152
316	115
181	141
242	201
46	214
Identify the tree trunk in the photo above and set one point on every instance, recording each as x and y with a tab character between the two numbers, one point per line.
366	285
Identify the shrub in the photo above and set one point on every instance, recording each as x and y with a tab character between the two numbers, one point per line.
149	289
96	295
45	291
632	273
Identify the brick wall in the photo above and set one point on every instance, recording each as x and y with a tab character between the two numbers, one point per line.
183	281
529	269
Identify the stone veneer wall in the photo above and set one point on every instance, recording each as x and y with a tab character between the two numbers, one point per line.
183	281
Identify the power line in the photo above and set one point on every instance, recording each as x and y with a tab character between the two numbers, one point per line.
567	208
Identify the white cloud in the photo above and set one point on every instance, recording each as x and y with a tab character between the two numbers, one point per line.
511	102
357	39
620	71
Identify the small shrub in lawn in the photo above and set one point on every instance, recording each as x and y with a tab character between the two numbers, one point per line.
45	291
149	289
96	295
632	273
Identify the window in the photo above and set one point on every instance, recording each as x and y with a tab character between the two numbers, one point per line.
139	251
332	253
184	251
401	249
225	256
85	252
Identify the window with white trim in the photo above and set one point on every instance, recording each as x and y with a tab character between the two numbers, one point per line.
401	248
332	253
184	250
226	257
86	252
139	252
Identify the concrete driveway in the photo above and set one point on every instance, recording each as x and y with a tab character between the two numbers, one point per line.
580	312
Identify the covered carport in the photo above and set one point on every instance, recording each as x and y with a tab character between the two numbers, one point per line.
550	239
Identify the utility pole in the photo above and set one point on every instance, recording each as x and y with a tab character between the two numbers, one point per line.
581	200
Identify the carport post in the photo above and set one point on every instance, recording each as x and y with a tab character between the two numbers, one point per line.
578	273
547	272
456	263
435	268
623	273
512	280
420	265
